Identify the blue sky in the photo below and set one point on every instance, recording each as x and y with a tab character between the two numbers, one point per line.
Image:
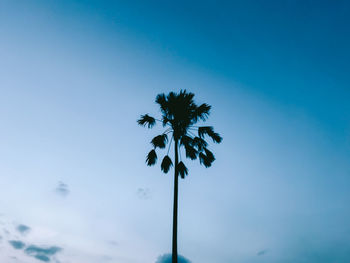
76	75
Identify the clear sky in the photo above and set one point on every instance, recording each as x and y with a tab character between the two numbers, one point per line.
76	75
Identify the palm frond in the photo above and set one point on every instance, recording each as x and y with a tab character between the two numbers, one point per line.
161	100
186	140
216	137
166	164
160	141
165	120
204	130
151	158
182	169
191	152
209	155
209	130
206	159
199	143
202	112
146	120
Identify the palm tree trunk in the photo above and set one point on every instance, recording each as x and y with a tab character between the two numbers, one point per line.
176	189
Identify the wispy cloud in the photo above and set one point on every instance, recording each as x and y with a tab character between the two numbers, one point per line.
42	257
23	229
106	258
262	252
42	253
62	189
17	244
45	254
143	193
113	243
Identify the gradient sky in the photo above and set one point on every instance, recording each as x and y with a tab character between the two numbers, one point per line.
76	75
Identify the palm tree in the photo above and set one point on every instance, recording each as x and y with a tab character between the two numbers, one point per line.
179	116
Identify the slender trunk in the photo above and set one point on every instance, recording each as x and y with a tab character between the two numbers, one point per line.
176	189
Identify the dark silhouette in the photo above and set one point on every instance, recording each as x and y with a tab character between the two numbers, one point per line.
179	116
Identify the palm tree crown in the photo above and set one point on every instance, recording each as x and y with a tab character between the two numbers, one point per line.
179	116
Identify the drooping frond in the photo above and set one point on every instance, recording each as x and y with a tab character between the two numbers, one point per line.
166	164
151	158
202	112
183	171
209	130
205	130
216	137
186	140
160	141
146	120
210	155
199	143
205	160
191	152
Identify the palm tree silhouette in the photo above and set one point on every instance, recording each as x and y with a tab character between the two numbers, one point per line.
179	116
